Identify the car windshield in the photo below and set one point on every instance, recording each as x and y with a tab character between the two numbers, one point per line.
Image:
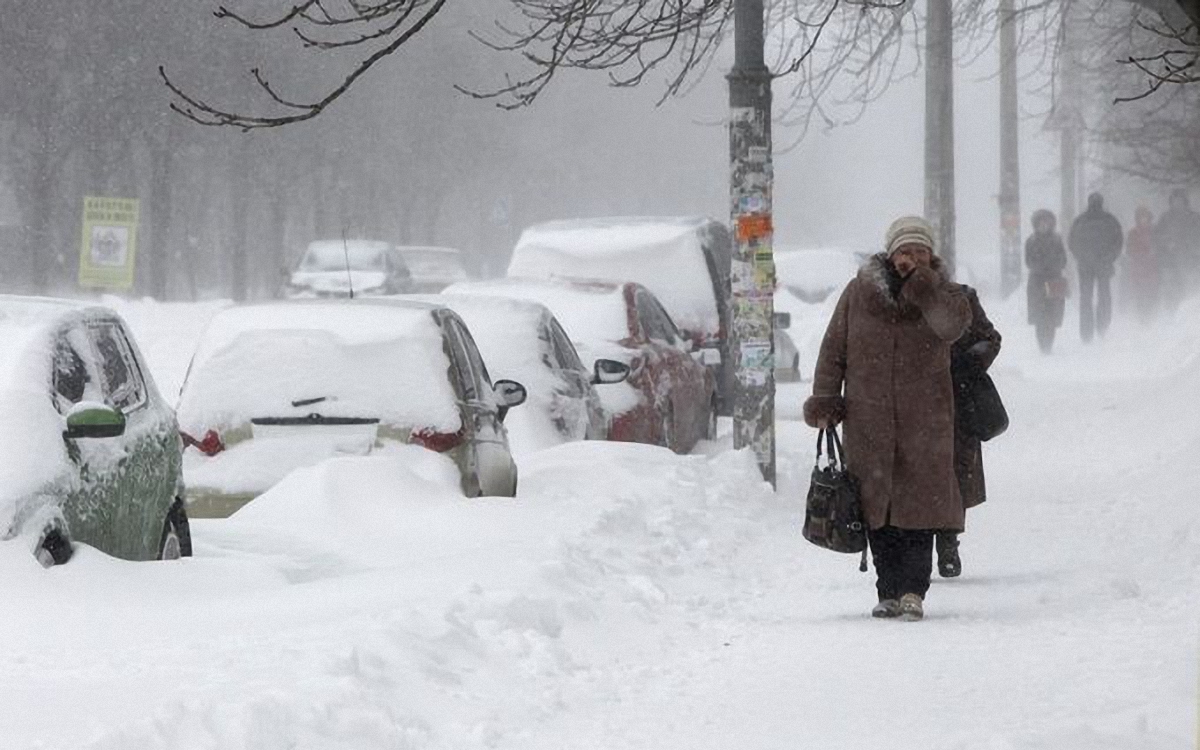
333	256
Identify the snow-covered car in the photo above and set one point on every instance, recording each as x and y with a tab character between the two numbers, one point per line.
813	274
433	268
787	356
345	268
669	398
93	452
275	387
683	261
523	340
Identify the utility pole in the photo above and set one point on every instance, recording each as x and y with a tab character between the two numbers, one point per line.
753	270
1010	157
939	127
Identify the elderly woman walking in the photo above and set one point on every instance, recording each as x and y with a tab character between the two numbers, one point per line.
884	370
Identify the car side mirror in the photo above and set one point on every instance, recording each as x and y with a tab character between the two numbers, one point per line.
783	320
509	393
89	419
609	371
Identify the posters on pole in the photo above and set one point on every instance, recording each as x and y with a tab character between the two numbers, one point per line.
109	249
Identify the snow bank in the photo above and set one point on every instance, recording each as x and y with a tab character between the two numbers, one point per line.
664	255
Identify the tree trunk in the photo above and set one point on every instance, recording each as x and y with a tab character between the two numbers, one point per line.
1010	157
939	127
239	192
39	245
156	254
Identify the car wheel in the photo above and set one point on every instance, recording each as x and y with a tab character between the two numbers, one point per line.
54	548
176	540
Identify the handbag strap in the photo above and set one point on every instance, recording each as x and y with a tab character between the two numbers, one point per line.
833	446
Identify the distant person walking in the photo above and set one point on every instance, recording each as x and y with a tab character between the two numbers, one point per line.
884	368
1141	270
970	357
1047	292
1177	240
1095	241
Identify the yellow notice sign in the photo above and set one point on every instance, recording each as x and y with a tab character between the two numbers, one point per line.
106	259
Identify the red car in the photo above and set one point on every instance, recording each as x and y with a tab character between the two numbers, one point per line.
670	397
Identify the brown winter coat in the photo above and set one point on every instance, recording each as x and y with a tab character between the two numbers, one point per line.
971	355
890	357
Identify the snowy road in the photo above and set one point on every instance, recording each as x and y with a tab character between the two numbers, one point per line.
635	599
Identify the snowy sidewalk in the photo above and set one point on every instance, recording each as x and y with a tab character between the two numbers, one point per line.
631	598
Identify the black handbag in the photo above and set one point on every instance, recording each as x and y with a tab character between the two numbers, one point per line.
980	412
833	516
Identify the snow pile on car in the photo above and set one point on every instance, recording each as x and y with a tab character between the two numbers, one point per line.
590	313
663	255
33	448
338	359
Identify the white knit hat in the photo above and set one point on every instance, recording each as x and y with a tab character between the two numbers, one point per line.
908	230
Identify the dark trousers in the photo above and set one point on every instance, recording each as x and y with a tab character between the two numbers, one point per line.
1094	317
903	561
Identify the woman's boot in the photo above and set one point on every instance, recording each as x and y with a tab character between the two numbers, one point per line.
949	563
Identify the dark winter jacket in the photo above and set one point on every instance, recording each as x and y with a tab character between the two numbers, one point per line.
1046	258
970	357
884	367
1096	238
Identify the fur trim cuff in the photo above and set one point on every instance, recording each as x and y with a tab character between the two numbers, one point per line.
820	408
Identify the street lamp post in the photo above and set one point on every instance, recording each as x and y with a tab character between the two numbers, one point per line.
753	267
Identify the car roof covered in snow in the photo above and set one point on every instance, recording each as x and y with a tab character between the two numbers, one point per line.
26	324
589	311
362	358
664	254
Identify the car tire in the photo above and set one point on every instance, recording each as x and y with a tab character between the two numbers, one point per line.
710	429
176	539
54	548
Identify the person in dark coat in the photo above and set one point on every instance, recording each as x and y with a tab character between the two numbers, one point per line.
884	368
970	357
1046	258
1095	240
1177	240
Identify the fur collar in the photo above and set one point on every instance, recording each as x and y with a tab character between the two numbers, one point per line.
875	278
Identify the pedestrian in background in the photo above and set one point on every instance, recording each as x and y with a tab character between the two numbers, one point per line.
970	357
1177	240
884	368
1141	269
1046	259
1095	241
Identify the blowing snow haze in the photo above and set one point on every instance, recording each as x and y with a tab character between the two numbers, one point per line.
421	423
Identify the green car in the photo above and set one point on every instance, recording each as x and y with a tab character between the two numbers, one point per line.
92	453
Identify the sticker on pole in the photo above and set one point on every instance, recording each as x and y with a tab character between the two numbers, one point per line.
109	251
753	227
